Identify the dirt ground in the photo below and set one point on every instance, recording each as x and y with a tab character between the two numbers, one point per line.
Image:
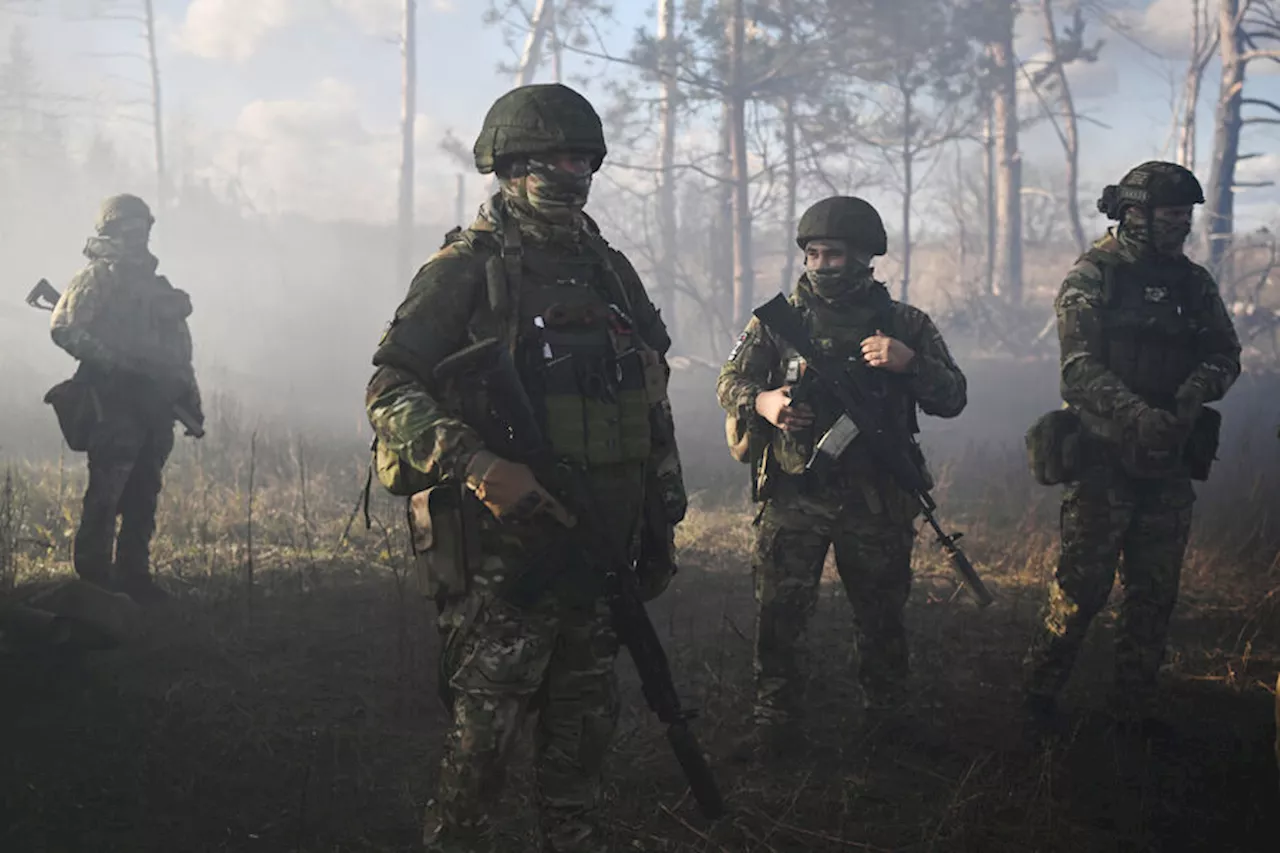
304	718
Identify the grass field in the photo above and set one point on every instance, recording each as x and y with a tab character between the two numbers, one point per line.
285	700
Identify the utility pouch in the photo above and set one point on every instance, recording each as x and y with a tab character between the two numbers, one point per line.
78	409
438	532
1202	445
1053	448
396	476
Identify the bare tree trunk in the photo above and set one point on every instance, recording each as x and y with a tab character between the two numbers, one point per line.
1070	126
743	273
157	114
543	13
408	111
791	172
460	200
1202	42
666	266
908	186
722	229
989	193
1008	254
557	49
1226	137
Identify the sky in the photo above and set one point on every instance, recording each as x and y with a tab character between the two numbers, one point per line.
298	100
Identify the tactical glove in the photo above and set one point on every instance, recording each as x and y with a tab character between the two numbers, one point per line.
1158	429
1190	399
510	491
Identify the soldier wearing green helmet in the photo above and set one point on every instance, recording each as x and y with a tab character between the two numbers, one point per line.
127	326
868	519
1146	342
533	272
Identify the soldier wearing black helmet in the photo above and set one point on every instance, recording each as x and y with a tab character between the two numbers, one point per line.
860	511
128	329
1146	342
533	271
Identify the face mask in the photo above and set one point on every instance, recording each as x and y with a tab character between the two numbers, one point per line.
554	192
834	283
1169	236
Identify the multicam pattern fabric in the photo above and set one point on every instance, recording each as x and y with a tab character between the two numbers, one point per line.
508	652
501	664
1108	515
866	517
117	314
873	558
1088	383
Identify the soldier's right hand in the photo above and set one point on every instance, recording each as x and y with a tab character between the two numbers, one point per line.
510	491
775	407
1158	428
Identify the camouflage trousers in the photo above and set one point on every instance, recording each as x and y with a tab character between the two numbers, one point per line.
127	455
500	663
873	558
1109	518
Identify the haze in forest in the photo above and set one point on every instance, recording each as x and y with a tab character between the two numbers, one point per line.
294	200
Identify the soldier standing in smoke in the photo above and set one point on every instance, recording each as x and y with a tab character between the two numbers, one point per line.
859	509
533	272
127	327
1146	342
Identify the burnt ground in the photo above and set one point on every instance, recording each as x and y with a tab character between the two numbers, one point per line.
305	719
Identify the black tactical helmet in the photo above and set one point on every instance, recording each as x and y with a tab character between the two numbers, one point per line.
535	119
845	218
1154	183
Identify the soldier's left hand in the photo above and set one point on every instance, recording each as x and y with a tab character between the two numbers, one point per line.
893	355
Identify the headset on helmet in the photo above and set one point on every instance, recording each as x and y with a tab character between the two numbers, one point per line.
1152	184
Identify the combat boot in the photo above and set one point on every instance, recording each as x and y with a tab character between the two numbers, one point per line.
142	589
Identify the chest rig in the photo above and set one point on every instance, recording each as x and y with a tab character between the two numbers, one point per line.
839	334
567	320
1151	324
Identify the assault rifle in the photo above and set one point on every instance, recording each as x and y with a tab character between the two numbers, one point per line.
891	449
511	428
45	297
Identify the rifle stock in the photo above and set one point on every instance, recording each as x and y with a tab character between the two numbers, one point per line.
890	449
516	434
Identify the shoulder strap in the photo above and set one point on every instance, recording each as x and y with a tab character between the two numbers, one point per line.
618	291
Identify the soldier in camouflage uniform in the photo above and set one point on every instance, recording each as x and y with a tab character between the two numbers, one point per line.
860	510
127	327
1146	342
534	272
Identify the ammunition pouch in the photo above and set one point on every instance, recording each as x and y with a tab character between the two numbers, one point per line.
78	408
397	476
1202	445
656	565
1053	448
442	548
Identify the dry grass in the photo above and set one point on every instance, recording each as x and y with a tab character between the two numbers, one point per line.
293	709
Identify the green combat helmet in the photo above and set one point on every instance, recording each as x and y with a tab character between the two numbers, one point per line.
1149	185
122	207
845	218
535	119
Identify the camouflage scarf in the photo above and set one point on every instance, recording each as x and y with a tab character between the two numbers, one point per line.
841	287
1166	238
119	252
534	226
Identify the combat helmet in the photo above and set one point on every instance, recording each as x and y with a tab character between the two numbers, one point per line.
535	119
122	207
1152	184
845	218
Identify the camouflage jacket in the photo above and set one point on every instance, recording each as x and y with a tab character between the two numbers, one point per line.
1088	383
936	382
117	316
446	308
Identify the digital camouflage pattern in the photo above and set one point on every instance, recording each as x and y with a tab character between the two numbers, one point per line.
555	656
867	518
128	328
1109	517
